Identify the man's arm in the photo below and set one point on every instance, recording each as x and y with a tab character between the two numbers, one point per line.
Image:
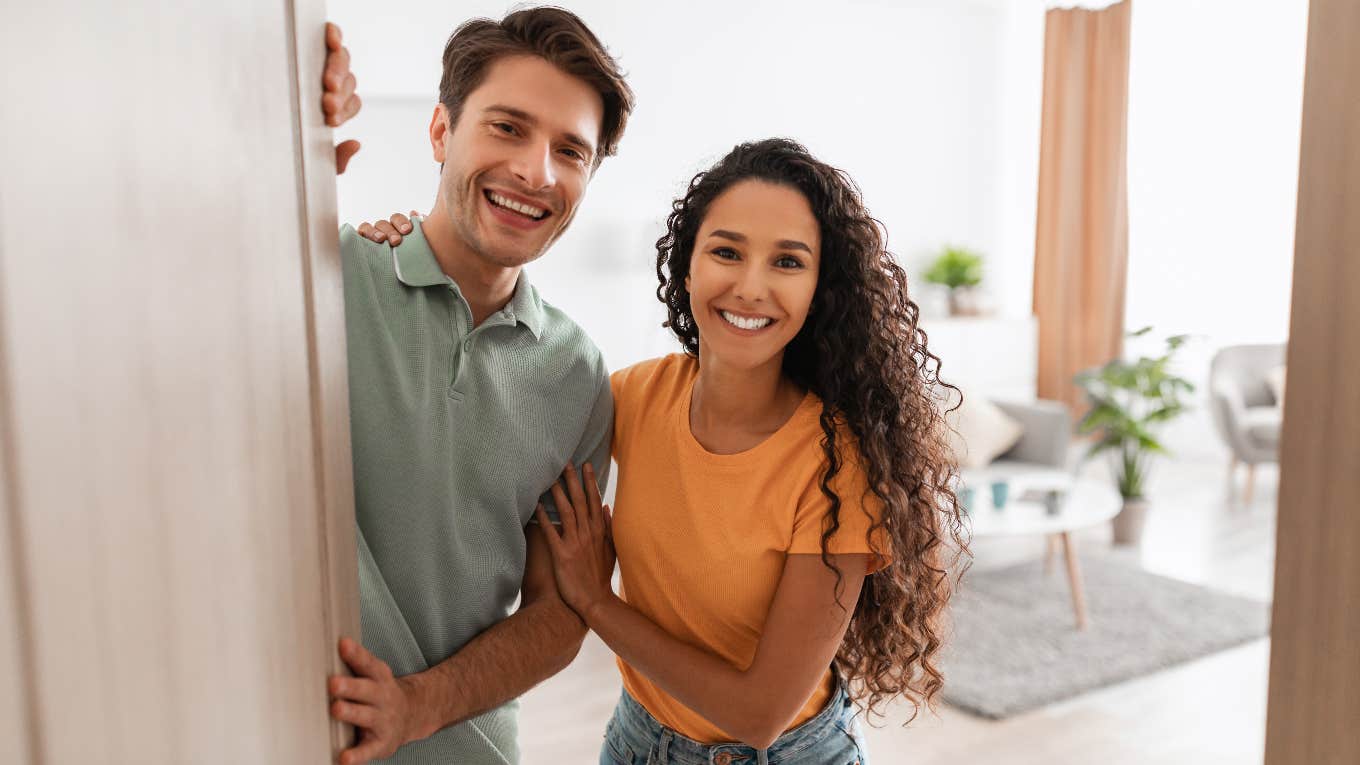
532	644
536	642
542	637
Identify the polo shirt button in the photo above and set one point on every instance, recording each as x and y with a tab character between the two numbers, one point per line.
467	345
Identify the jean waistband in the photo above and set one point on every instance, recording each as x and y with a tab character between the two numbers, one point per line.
642	732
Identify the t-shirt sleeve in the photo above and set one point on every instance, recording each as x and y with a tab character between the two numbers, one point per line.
593	447
859	510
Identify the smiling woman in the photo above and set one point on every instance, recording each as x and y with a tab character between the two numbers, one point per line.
784	510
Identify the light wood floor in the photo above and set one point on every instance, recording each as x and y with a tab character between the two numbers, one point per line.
1207	712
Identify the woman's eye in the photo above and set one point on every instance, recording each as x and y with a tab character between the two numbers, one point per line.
726	253
789	262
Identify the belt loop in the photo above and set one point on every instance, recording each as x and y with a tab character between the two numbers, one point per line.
762	757
663	749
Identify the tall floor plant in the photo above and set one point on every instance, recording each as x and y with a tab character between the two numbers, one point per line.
1131	400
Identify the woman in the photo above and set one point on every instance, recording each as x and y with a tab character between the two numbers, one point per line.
784	504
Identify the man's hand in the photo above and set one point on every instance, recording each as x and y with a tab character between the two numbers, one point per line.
583	551
390	230
339	101
384	708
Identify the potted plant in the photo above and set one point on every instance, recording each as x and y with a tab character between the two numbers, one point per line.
957	269
1130	402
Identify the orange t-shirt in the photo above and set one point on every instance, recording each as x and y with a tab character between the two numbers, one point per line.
702	537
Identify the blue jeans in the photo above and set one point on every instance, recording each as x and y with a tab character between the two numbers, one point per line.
634	737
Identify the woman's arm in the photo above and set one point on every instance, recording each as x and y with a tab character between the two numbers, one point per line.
802	634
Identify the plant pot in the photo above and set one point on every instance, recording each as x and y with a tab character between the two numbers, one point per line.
963	301
1128	524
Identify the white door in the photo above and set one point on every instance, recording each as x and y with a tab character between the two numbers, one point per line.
177	554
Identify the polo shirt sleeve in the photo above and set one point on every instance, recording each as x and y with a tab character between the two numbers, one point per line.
594	444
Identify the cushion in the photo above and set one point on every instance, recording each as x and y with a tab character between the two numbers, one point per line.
981	432
1262	424
1275	381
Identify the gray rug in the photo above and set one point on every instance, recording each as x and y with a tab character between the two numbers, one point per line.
1015	646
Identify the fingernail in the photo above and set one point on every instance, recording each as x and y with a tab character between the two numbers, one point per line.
380	235
406	229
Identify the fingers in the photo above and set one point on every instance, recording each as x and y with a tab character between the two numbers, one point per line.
367	231
362	662
343	152
356	689
332	36
369	749
585	518
390	231
402	223
337	69
416	214
359	715
565	512
609	534
339	107
352	106
593	495
546	526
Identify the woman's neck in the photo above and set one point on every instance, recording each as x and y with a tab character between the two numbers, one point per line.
732	410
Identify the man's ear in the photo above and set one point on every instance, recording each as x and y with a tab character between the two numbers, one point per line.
440	132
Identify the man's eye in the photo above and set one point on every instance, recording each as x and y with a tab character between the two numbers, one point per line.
504	127
574	154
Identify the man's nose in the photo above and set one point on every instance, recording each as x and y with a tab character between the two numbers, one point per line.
532	165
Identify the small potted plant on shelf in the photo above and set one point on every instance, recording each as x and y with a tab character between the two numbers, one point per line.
960	270
1130	402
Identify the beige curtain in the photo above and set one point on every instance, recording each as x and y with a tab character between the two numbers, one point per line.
1081	247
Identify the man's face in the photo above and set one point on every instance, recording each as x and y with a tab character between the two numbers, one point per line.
517	162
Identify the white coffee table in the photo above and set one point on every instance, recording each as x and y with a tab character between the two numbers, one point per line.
1085	503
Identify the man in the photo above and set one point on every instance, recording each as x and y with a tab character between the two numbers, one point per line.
468	395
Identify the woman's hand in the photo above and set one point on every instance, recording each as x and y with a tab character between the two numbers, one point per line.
390	230
583	550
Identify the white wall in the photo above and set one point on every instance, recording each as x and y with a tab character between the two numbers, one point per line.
1215	98
918	101
934	107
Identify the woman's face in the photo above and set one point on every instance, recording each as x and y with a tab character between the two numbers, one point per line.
753	272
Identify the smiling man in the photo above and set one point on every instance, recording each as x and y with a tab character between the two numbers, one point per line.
468	395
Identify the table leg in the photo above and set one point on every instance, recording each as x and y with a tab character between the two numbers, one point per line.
1050	552
1074	579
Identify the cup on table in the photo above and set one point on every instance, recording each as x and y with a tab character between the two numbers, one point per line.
1000	491
1053	501
966	498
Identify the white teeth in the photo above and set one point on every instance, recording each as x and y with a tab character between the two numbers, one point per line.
745	323
532	212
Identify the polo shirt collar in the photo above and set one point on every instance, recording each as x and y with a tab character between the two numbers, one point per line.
415	264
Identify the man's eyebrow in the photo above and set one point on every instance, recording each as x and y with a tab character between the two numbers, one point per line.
530	119
518	114
784	244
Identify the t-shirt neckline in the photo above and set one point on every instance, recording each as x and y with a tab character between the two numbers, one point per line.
737	459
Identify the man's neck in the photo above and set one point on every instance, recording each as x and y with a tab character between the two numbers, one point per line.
485	286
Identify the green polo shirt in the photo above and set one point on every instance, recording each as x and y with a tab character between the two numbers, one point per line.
457	434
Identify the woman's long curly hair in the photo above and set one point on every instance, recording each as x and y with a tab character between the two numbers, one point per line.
864	354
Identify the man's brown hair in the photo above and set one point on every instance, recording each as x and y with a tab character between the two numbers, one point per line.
553	34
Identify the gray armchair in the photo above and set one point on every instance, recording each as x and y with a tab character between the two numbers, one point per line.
1244	410
1047	434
